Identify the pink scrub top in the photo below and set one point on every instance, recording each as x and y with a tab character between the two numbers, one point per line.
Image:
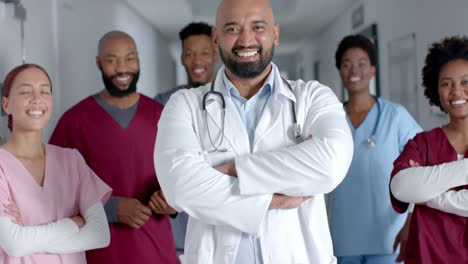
70	187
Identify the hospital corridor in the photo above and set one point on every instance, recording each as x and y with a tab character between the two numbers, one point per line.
234	131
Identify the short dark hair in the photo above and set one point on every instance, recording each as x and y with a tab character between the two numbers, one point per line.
199	28
356	41
439	54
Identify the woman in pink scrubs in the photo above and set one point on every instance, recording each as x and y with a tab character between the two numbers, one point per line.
432	170
50	200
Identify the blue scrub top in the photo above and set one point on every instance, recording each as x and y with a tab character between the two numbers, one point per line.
362	219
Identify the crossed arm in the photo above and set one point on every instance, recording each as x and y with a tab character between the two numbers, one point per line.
67	235
434	184
213	196
133	212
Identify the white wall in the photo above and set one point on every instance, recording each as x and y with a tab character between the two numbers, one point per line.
39	42
181	74
431	20
10	50
287	63
62	36
82	23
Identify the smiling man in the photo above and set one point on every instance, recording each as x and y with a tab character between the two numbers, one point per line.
249	157
115	131
198	57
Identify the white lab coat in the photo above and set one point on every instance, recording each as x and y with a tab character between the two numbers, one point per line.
222	207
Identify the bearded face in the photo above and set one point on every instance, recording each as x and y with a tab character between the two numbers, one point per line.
234	60
113	83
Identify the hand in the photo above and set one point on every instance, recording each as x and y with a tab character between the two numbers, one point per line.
401	239
12	210
227	168
132	212
79	221
280	201
413	163
159	204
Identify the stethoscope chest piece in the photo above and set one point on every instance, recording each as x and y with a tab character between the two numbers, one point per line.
297	131
371	142
208	98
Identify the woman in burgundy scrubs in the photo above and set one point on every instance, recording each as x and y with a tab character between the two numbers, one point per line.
432	171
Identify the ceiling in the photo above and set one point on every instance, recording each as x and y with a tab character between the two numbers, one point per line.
298	19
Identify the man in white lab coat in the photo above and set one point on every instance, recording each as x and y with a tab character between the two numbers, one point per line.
235	161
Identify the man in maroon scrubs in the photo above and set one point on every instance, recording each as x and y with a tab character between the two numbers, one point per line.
115	131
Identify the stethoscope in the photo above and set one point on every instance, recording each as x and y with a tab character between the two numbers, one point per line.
371	141
297	131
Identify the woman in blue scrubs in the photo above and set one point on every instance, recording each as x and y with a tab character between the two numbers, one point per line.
364	226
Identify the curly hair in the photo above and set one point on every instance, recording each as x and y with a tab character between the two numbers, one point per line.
191	29
439	54
356	41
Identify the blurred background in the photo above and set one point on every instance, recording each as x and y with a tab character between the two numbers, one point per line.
62	36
